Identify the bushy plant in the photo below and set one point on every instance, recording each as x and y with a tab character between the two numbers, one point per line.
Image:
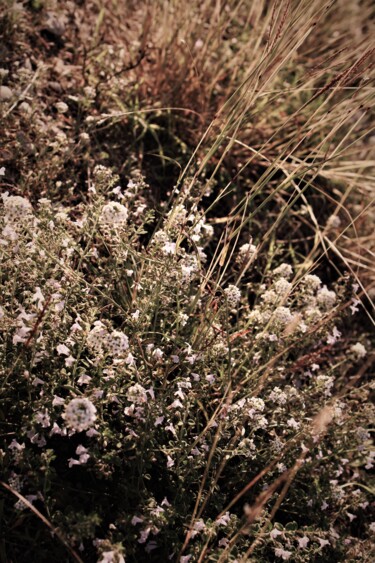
154	410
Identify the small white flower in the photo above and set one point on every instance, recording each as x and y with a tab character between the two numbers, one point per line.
43	419
14	445
176	404
85	137
283	553
334	337
130	359
83	454
223	520
158	354
37	381
182	318
223	542
136	520
63	349
302	542
111	557
84	379
57	401
354	306
199	526
38	297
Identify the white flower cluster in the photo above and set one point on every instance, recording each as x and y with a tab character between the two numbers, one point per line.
200	231
114	214
176	217
277	311
193	221
117	343
278	396
233	295
103	176
282	316
189	267
282	287
255	404
162	239
16	208
246	252
284	270
311	283
326	298
253	407
137	394
80	414
100	341
17	215
359	350
97	338
326	382
279	290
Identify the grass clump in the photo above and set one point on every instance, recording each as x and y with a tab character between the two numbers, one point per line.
186	282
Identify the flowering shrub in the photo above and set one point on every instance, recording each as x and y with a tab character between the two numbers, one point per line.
156	410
